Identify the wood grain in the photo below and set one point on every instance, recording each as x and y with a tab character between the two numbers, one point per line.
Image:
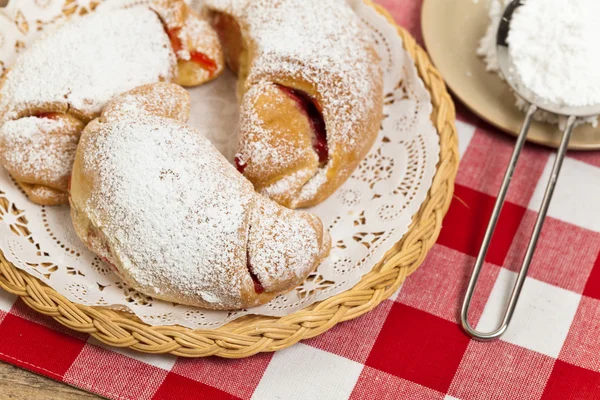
18	384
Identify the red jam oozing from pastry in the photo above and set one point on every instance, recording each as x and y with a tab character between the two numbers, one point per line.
175	41
48	115
197	57
240	164
258	287
313	110
205	62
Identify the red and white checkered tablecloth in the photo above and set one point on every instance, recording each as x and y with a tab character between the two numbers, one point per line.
411	346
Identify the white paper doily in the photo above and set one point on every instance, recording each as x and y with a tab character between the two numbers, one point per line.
366	216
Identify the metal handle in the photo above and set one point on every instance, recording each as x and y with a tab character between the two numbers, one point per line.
514	297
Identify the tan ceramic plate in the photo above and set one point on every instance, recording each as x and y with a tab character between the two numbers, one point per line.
452	29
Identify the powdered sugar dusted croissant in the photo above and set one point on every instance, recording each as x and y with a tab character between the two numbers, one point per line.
154	198
64	80
312	93
38	151
195	43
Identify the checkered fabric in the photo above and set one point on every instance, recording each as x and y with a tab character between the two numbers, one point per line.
411	346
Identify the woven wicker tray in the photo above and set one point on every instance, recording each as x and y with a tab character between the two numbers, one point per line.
249	335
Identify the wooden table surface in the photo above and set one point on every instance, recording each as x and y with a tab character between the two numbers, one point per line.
18	384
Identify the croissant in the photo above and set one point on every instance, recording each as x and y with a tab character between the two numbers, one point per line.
311	90
195	43
159	203
63	81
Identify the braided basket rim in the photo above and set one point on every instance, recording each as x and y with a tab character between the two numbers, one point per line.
254	334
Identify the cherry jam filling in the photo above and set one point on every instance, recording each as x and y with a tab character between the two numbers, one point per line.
240	164
258	287
199	58
204	61
315	115
174	38
48	115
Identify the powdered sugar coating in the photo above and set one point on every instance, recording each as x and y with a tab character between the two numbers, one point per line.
88	61
282	187
321	42
271	135
191	35
44	195
45	192
160	99
180	221
39	150
177	221
278	239
319	47
198	35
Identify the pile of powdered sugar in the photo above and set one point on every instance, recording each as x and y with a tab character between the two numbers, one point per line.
554	47
553	44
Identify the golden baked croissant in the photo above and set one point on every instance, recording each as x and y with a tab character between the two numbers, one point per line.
64	80
156	200
311	89
195	43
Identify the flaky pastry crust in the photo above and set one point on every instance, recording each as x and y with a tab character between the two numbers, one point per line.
154	198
